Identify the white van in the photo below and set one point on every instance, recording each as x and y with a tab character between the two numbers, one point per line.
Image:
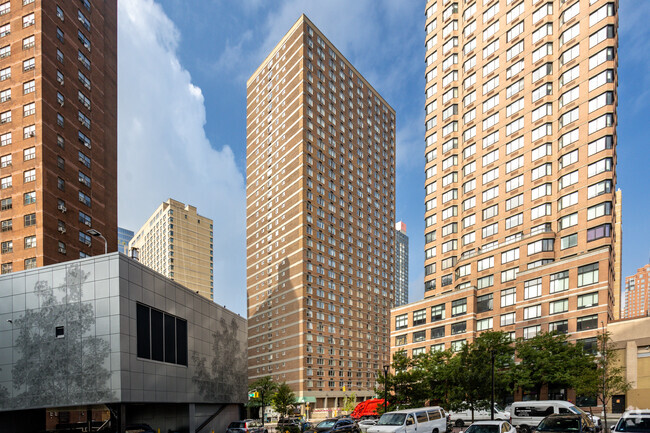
527	414
460	418
421	420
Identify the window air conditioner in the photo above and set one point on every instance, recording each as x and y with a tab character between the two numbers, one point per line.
62	208
62	229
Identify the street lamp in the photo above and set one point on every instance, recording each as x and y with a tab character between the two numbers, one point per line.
95	233
386	368
492	401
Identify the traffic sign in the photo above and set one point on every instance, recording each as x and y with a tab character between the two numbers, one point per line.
254	394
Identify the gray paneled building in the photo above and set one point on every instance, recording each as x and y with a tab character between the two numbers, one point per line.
108	334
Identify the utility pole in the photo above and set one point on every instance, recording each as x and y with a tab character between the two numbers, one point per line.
386	368
262	396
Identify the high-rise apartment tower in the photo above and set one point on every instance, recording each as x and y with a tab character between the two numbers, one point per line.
124	236
320	217
177	242
401	265
636	295
58	130
520	171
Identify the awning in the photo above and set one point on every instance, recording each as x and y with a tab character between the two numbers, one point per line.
305	399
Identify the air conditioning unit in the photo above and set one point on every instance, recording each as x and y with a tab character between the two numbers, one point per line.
88	223
62	208
62	250
62	229
61	102
32	133
87	243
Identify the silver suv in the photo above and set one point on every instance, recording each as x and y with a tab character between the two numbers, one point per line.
633	421
246	426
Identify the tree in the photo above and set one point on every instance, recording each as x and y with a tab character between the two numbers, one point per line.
607	377
406	387
266	388
284	399
472	369
350	402
549	359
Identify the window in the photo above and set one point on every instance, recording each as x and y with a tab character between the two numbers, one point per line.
587	274
588	300
540	246
533	288
533	312
29	109
514	202
601	231
587	322
7	247
5	8
29	197
484	282
458	345
606	54
438	332
400	340
7	225
5	52
458	307
29	176
84	199
600	144
5	117
458	328
28	20
29	153
419	317
437	312
603	187
5	73
508	319
532	331
30	242
569	241
30	220
560	327
601	35
568	179
160	336
30	263
85	160
484	303
29	64
5	30
6	182
5	203
5	161
401	321
567	201
29	131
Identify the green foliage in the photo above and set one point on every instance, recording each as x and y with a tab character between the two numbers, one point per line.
266	388
350	402
462	380
548	358
606	378
284	399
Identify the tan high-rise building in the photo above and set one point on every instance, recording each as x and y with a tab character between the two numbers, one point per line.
58	130
636	296
320	218
520	171
618	251
177	242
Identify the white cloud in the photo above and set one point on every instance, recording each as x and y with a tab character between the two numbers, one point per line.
163	149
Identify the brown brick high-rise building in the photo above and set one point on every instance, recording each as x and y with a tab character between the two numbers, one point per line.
320	218
520	171
58	130
636	302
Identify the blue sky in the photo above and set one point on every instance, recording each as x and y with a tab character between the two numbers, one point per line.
183	68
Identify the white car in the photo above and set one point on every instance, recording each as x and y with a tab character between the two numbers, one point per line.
636	421
461	418
491	427
365	423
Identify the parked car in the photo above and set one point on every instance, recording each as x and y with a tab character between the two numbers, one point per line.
296	422
573	423
633	421
364	424
496	426
339	425
423	420
526	415
246	426
460	418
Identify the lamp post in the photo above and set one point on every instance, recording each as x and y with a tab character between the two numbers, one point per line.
97	234
386	368
492	400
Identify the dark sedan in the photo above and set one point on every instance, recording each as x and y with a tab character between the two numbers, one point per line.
574	423
334	425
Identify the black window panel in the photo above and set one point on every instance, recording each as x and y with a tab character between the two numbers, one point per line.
484	303
170	339
458	328
144	331
181	342
438	332
157	336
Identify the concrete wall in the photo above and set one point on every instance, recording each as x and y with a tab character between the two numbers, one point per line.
632	338
95	361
